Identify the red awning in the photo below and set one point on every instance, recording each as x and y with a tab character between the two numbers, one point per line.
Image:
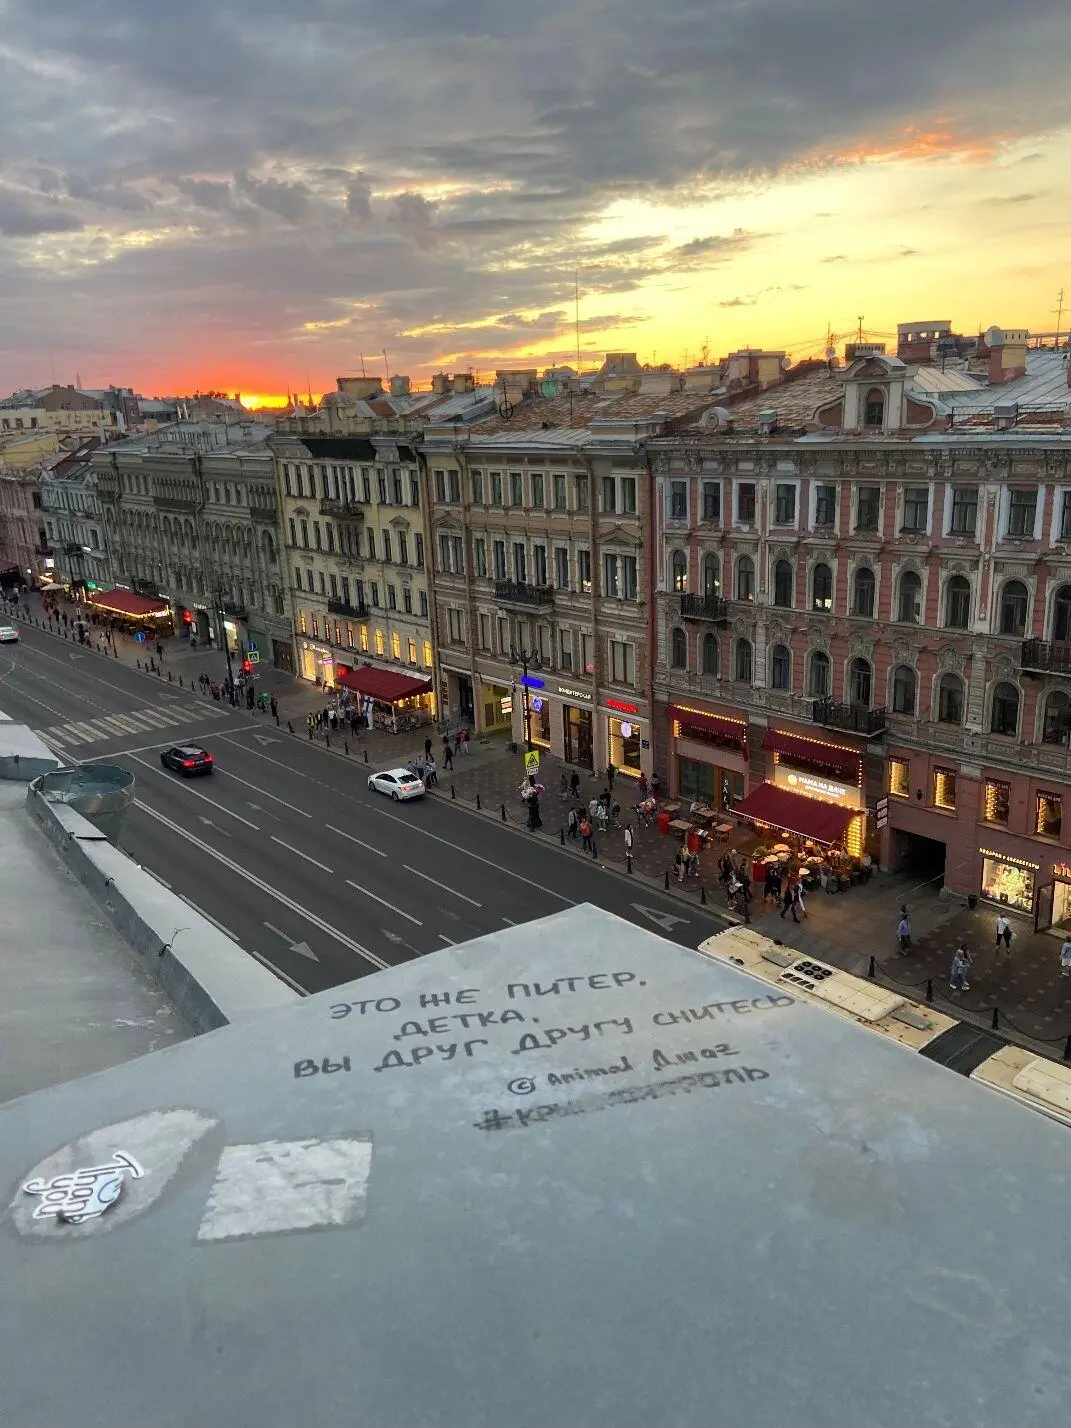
732	730
385	685
126	602
792	813
810	751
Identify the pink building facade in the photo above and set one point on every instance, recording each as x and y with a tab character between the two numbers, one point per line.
864	602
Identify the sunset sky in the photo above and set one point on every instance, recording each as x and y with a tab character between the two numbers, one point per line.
249	195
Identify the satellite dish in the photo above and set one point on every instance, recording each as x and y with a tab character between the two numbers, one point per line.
549	387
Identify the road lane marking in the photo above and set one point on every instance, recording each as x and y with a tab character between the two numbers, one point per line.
343	834
509	922
263	791
165	744
266	888
208	918
181	783
301	948
298	853
424	833
382	900
445	886
448	940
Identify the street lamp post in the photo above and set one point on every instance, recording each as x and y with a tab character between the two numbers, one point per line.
220	616
523	658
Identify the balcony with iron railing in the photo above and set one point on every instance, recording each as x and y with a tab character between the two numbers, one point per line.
704	607
343	607
342	510
1046	656
851	718
519	592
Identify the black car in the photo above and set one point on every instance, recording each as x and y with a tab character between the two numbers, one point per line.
187	760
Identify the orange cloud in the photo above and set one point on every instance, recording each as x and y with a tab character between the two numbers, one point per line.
914	144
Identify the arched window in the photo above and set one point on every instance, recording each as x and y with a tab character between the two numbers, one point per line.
860	680
1014	599
818	684
863	593
1061	614
950	699
780	667
874	408
958	603
1004	717
1057	727
904	688
680	570
782	584
678	646
909	601
822	588
711	575
710	654
742	665
745	578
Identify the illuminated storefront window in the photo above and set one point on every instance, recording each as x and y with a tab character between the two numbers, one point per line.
364	638
625	745
303	622
1008	882
944	788
899	778
539	708
996	805
1048	815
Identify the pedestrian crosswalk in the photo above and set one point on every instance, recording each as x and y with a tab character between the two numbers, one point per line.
119	726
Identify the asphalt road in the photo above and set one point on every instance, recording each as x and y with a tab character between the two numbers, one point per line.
285	848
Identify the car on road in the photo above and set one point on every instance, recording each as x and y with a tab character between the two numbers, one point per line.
397	784
189	760
8	635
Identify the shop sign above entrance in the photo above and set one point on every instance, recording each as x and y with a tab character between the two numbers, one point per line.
580	694
622	707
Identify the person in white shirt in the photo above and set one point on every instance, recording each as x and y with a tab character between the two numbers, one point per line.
1004	933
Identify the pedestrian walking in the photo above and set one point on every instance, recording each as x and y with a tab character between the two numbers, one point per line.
960	970
903	931
463	741
641	788
448	755
629	841
585	833
273	704
427	749
563	788
572	823
798	897
1004	933
431	773
1065	958
610	771
788	900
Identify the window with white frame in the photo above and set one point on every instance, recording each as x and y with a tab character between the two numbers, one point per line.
451	554
561	567
622	662
677	501
712	501
1022	511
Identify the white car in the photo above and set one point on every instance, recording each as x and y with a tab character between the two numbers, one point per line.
397	784
8	635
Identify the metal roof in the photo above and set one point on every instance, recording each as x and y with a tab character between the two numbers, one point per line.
567	1173
1045	385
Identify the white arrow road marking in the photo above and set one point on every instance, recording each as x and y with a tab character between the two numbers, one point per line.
390	936
301	948
262	886
665	920
263	739
209	824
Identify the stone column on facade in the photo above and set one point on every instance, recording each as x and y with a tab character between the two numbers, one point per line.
975	713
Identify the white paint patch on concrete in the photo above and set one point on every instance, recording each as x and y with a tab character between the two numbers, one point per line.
275	1187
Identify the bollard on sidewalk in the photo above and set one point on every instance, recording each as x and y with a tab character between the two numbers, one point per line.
667	882
628	860
929	989
996	1018
503	813
872	969
479	805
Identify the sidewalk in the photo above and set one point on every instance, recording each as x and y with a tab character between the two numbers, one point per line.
1032	1001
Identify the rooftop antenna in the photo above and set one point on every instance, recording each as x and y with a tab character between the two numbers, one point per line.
859	333
1059	314
308	383
576	296
386	364
363	372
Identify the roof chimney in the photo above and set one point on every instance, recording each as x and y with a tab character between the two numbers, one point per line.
399	386
440	384
767	423
464	382
1005	415
1007	353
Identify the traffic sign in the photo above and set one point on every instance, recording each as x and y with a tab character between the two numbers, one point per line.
253	656
251	646
531	761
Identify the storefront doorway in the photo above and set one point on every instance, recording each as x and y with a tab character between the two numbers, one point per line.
465	700
1052	905
578	743
624	741
923	858
539	720
497	706
711	784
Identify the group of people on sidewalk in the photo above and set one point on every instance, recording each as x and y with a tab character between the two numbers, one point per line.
959	973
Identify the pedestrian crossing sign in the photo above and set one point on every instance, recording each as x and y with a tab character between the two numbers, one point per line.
253	656
531	761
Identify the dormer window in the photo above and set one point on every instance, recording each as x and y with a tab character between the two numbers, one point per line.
874	408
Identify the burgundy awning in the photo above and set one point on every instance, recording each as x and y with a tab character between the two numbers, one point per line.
387	686
733	731
809	751
792	813
128	602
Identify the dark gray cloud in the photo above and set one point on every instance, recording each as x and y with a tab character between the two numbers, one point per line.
394	168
